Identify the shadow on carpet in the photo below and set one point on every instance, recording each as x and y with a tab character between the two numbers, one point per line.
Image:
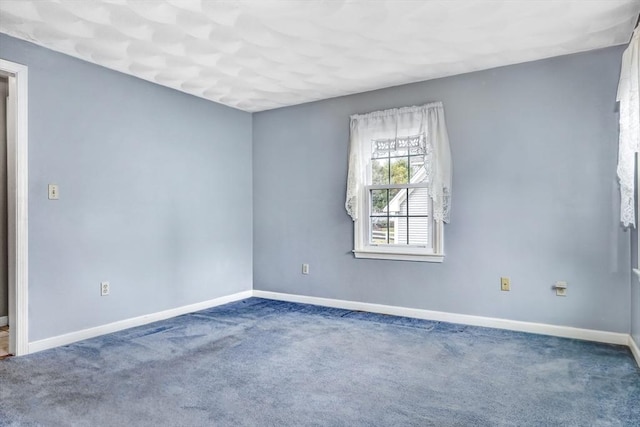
258	362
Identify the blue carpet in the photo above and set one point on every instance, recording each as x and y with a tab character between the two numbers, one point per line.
267	363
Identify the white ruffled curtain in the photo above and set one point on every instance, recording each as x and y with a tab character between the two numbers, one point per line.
425	120
629	98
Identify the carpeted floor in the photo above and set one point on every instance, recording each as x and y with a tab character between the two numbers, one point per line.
267	363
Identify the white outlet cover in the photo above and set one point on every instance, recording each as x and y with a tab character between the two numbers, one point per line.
104	288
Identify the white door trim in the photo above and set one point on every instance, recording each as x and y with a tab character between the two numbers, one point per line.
18	198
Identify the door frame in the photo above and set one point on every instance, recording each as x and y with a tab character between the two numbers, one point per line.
18	200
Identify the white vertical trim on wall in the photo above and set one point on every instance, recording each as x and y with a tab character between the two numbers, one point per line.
18	196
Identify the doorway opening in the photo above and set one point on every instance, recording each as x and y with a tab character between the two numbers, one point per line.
4	256
17	196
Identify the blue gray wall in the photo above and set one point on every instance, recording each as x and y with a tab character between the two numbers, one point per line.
635	310
155	194
635	284
635	280
535	198
156	197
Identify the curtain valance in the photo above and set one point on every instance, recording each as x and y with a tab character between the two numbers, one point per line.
423	127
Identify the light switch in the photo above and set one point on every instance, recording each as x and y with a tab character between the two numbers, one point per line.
53	192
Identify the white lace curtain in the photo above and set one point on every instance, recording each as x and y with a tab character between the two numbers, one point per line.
427	120
629	98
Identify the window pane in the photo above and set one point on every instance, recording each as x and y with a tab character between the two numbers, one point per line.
399	170
396	198
398	201
379	231
393	227
379	202
418	201
400	230
379	171
416	170
419	231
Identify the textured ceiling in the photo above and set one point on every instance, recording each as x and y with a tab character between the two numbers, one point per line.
257	55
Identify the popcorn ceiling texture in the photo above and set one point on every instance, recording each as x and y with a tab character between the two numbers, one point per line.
259	55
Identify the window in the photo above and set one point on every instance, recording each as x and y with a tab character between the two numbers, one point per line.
399	183
399	208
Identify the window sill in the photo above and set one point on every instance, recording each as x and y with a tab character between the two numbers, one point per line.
399	257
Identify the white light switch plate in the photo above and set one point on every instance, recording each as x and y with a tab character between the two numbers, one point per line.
53	192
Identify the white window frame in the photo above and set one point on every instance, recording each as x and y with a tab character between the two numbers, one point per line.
363	247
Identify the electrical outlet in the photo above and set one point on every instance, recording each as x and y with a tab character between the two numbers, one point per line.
305	268
505	284
104	289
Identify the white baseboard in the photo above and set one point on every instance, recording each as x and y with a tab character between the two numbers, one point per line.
634	349
536	328
4	321
465	319
84	334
